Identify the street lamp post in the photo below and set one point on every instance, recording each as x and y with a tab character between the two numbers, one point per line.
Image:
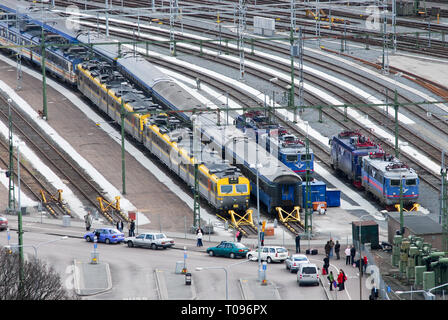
257	165
36	247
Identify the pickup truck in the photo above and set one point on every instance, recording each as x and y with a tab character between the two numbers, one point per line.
150	240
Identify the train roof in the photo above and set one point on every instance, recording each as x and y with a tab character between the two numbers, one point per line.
356	142
390	166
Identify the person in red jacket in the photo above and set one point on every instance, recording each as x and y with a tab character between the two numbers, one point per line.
341	280
364	264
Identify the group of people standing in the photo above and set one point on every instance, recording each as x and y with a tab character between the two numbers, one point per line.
338	282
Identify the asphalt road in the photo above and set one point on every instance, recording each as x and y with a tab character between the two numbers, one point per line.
132	269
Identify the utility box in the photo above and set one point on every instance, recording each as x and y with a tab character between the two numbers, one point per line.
333	198
368	231
318	191
66	221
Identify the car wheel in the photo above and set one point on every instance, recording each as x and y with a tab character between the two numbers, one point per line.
88	239
211	253
249	257
107	241
153	246
269	260
130	244
232	255
164	248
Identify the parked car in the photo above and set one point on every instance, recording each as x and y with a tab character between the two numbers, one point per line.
107	235
3	223
150	240
269	254
228	249
308	274
293	262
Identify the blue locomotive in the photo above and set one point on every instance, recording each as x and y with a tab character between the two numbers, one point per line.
384	175
347	150
286	147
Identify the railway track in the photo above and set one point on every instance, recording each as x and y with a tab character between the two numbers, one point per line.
57	159
431	150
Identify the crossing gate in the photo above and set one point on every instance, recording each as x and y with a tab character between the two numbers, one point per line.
288	218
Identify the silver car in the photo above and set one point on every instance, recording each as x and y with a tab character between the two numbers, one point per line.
308	273
293	262
150	240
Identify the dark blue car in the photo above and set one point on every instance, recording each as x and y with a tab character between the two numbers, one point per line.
107	235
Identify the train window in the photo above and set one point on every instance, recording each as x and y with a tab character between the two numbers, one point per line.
411	182
226	189
291	157
394	183
305	157
241	188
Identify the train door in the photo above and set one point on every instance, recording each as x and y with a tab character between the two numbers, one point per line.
287	193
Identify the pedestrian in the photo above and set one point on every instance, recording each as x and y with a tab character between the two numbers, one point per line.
199	239
352	254
331	280
131	229
347	256
88	221
326	265
239	235
298	243
327	249
337	248
341	280
120	226
364	264
262	238
331	242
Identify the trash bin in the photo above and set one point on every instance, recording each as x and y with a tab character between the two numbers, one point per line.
188	279
66	221
179	267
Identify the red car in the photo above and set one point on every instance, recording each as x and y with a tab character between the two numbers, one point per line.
3	223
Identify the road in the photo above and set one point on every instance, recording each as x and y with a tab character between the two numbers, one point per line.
132	269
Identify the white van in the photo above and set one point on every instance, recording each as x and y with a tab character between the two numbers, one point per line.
308	273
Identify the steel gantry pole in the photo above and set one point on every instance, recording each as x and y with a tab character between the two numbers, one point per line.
241	29
44	78
11	194
397	150
195	155
291	103
123	164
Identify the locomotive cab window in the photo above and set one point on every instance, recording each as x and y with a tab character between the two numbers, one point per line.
305	157
226	189
291	157
394	183
411	182
241	188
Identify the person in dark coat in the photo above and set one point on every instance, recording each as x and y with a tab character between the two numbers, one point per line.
298	243
326	264
337	248
131	229
327	249
239	235
120	226
353	254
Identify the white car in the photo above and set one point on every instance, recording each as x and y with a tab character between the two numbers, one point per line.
269	254
150	240
293	262
308	273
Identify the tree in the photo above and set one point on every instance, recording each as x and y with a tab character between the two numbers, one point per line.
40	281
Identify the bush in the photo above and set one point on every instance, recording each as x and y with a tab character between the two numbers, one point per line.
40	281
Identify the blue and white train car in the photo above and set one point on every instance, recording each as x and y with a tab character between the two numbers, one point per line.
22	27
384	175
286	147
347	150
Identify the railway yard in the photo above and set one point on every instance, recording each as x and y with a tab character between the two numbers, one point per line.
172	77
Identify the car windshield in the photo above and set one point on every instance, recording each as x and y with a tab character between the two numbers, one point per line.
239	245
281	250
309	270
300	259
160	236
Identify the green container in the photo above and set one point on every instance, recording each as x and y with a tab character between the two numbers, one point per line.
395	260
402	266
410	272
429	280
419	275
